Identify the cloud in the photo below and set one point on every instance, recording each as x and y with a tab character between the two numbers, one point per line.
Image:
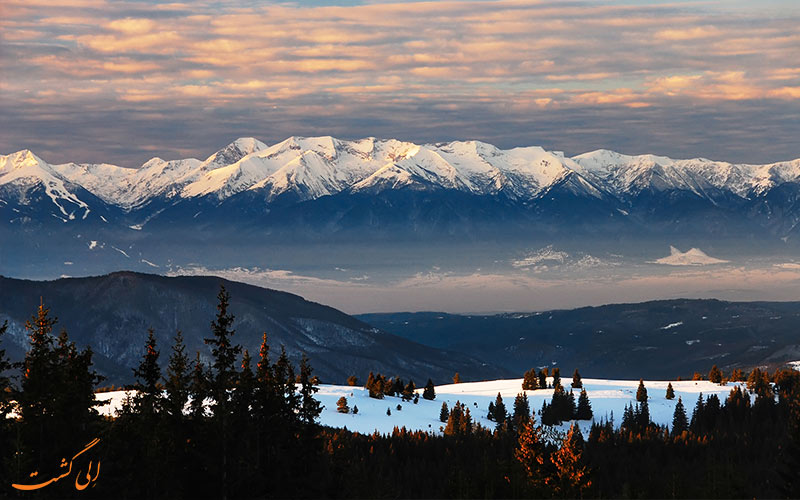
485	65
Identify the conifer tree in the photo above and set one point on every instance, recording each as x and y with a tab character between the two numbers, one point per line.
737	375
5	381
522	411
456	378
355	410
198	389
429	392
177	379
444	413
670	391
147	401
352	381
576	380
499	413
641	392
245	389
341	405
679	421
543	378
224	354
530	453
310	408
696	423
490	412
288	399
572	475
556	376
715	375
408	391
584	411
530	381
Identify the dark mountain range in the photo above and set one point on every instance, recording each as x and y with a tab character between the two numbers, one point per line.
660	339
112	314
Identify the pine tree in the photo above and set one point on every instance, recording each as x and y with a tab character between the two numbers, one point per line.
224	354
499	413
715	375
341	405
737	375
456	378
543	378
388	412
408	391
696	423
5	382
679	421
522	411
444	413
572	475
530	453
584	411
530	380
355	410
147	401
429	392
310	408
641	392
288	399
178	378
556	376
670	391
198	389
576	380
352	380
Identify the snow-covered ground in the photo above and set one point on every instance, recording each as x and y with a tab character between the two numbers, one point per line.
606	396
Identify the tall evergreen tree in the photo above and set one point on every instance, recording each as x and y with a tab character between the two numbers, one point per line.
341	405
572	475
444	413
530	381
310	408
456	378
198	389
148	397
543	379
224	354
715	375
670	391
5	381
679	421
178	378
531	454
576	380
522	411
556	376
499	415
696	423
584	411
408	391
429	392
641	392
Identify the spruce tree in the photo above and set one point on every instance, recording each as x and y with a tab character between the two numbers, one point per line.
543	378
670	391
408	391
224	354
499	412
310	408
696	424
576	380
444	413
177	379
556	376
530	453
352	381
456	378
679	421
429	392
5	382
198	389
522	411
572	475
641	392
584	411
530	381
355	410
341	405
715	375
147	401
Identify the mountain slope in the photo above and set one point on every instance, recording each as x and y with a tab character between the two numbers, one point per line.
659	339
112	314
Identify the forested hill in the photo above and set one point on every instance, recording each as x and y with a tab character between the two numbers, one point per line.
112	313
658	339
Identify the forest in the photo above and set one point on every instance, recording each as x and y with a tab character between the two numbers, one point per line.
246	425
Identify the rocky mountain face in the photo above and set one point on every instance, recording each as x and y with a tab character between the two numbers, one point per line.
112	313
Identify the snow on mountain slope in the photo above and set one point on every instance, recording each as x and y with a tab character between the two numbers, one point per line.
318	166
23	172
692	257
608	399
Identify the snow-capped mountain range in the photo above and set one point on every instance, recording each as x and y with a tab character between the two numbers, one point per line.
378	182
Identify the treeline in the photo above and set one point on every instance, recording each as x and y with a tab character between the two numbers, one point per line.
246	427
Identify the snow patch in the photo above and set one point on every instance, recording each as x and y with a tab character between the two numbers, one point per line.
672	325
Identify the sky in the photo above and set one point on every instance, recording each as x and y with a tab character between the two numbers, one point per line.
123	81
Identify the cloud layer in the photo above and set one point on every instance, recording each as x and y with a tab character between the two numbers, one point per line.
100	80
